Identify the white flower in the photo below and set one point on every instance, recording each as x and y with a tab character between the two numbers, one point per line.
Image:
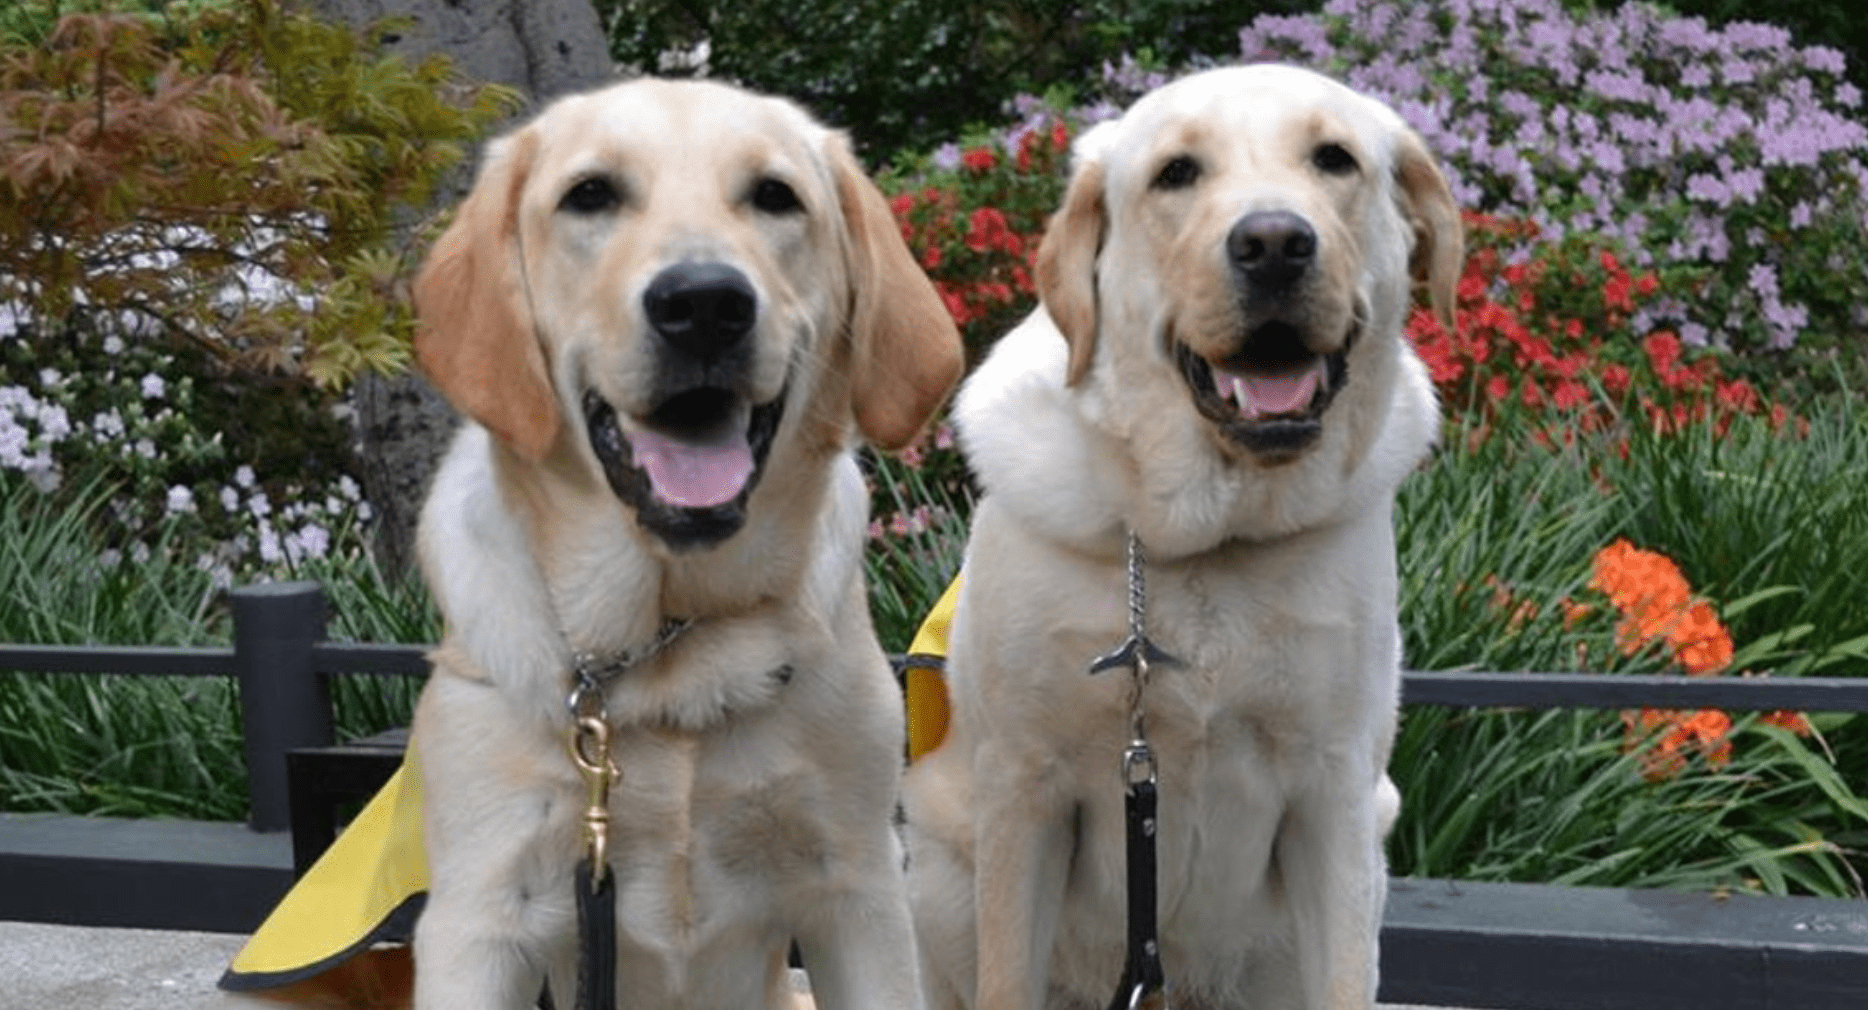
12	444
258	505
269	551
49	378
43	473
54	423
113	345
181	500
313	541
230	499
348	488
145	448
107	425
244	476
139	552
153	386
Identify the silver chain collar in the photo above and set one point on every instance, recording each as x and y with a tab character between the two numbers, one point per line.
592	674
1139	654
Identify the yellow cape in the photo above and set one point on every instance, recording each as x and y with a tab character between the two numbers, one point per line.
924	683
368	887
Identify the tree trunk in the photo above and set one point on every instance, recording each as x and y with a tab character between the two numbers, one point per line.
543	48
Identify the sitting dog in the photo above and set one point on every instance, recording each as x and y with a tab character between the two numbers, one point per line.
1218	370
667	309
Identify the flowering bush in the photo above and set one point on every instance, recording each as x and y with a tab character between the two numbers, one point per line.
178	455
1656	615
1556	334
1729	157
973	214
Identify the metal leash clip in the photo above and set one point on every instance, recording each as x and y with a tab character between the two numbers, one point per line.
590	751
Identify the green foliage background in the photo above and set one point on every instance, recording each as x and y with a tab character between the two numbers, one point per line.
913	75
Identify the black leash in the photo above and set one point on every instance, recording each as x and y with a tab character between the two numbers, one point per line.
1144	982
596	938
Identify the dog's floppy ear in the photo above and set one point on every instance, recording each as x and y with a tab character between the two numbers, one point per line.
475	338
1439	242
1067	265
907	353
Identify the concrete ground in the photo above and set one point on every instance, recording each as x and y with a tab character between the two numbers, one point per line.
45	967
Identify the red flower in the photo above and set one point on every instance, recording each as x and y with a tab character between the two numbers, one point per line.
1616	379
1617	293
1569	394
1663	352
1737	395
956	304
1471	286
979	159
1060	135
986	229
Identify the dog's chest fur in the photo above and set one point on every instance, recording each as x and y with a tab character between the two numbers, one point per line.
1276	694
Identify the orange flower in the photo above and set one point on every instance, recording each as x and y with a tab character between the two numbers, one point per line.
1795	722
1656	604
1672	733
1574	612
1699	641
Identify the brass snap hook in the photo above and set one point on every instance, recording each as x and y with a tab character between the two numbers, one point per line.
590	751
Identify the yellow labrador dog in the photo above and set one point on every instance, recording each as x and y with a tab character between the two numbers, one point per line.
1219	369
667	309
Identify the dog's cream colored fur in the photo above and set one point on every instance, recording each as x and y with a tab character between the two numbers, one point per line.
760	751
1274	580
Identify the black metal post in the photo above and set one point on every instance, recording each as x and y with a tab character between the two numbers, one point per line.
284	701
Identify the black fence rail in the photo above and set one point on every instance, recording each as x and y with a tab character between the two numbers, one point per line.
1453	943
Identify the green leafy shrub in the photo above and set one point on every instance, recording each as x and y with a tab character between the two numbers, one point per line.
911	75
228	178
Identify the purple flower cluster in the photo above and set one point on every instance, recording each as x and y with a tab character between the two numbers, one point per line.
1718	156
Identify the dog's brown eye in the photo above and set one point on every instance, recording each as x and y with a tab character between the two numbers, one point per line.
594	195
1333	159
1177	174
771	196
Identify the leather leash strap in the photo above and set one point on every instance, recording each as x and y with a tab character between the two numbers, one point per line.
1144	982
596	939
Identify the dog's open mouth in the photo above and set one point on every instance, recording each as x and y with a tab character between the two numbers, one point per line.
1270	397
689	466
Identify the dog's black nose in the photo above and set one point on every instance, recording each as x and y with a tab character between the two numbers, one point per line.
701	308
1272	248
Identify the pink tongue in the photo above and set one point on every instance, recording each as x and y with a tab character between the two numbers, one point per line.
1278	394
692	476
